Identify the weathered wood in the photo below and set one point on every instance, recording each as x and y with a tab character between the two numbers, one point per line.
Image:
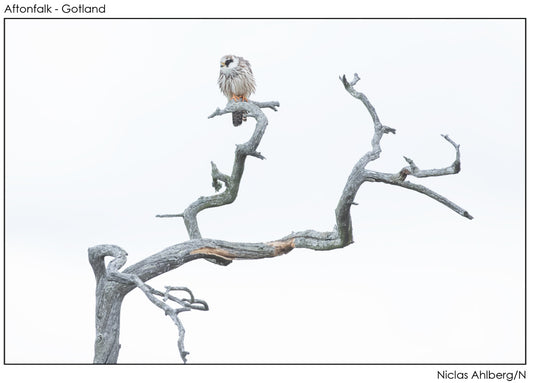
112	285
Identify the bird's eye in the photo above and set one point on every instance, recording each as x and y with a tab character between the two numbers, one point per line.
228	61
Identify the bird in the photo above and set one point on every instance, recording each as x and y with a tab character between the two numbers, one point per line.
236	81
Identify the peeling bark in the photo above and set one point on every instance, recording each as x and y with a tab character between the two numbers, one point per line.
216	252
282	247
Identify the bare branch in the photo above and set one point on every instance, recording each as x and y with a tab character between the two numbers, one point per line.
233	106
349	86
191	302
217	112
399	179
218	176
249	148
271	104
223	252
393	179
169	215
454	168
357	176
257	155
150	292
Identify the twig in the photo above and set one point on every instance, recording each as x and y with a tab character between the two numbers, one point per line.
271	104
392	179
218	176
150	292
169	215
454	168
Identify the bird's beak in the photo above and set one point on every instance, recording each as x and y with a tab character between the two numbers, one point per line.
222	64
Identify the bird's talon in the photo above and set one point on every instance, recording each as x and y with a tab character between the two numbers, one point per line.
239	98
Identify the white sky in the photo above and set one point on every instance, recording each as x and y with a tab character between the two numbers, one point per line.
106	126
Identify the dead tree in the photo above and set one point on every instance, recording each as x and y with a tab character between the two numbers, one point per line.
112	283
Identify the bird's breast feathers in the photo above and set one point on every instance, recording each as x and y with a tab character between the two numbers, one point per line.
236	79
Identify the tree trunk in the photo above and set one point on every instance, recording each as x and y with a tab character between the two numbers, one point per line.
106	344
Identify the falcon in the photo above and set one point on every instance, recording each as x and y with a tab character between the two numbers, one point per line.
236	81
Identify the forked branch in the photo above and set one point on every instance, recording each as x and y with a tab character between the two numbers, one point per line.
186	304
113	285
454	168
232	182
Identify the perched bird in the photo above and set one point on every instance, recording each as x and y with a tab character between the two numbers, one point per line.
236	81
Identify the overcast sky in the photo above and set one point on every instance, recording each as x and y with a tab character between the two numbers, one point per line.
106	126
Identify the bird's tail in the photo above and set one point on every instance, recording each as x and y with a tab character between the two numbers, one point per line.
237	118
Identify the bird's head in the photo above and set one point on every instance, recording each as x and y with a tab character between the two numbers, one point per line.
228	63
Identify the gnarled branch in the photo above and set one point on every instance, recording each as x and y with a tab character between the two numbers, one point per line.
454	168
113	285
249	148
150	292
